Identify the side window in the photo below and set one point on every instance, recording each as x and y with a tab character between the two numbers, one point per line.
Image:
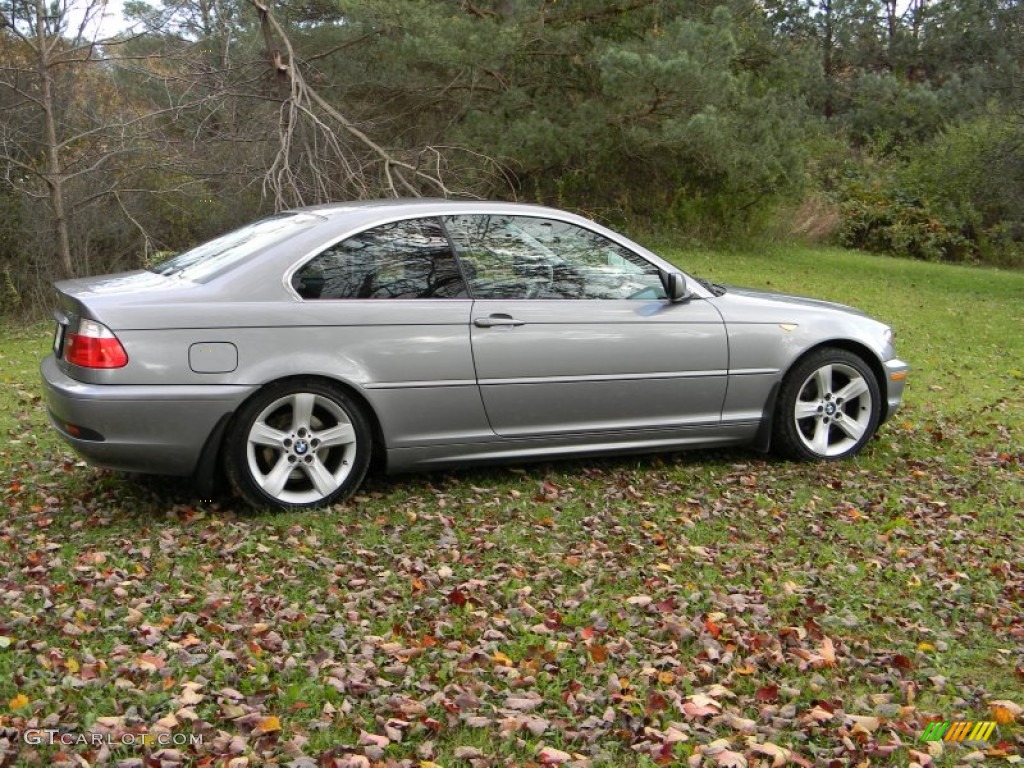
403	260
523	257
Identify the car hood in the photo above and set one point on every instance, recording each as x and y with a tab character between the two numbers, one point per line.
757	320
766	306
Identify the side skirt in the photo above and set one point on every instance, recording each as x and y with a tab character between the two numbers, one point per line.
506	450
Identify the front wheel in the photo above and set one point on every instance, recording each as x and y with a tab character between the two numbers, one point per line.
828	406
299	443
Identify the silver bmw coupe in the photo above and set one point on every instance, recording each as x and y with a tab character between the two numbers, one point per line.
434	333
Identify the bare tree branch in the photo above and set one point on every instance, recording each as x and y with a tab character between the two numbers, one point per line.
305	106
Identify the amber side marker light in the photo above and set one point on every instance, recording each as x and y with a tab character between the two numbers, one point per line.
898	376
82	433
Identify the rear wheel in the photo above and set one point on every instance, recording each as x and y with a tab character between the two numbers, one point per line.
298	443
828	406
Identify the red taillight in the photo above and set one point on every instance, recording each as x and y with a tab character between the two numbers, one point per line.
94	346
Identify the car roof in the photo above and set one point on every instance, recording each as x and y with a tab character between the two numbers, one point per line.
426	206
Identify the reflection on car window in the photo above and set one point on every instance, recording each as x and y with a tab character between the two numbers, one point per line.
403	260
206	259
523	257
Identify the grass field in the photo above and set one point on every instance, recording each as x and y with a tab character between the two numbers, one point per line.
721	608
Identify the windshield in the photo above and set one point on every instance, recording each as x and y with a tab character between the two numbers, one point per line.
204	260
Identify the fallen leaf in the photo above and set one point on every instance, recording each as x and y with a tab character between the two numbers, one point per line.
268	724
150	663
523	703
552	756
700	705
864	724
1004	711
779	755
190	697
921	758
820	714
723	755
827	652
767	693
367	739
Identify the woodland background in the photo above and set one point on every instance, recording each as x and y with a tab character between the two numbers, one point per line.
887	125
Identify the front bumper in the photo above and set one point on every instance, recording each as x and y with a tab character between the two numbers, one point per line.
895	381
150	429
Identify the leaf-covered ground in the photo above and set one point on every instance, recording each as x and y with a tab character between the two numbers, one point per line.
709	608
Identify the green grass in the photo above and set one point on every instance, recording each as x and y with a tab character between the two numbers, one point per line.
430	608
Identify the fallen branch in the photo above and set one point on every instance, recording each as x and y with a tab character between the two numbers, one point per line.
336	139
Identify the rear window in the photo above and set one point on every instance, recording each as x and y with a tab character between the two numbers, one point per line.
211	257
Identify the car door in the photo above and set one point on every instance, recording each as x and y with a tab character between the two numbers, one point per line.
391	306
572	333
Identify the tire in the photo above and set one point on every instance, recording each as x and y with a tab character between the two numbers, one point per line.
828	407
300	443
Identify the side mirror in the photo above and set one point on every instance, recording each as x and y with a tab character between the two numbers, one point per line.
675	286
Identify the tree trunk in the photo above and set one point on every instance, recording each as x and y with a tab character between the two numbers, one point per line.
54	171
827	65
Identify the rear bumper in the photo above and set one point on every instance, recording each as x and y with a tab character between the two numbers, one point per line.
150	429
895	380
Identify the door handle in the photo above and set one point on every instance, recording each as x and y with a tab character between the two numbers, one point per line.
497	320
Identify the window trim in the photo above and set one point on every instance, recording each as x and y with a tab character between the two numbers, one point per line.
523	215
499	209
289	274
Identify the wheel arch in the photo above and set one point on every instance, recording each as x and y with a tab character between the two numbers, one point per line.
351	390
763	439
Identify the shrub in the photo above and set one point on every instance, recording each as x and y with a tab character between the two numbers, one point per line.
879	215
959	196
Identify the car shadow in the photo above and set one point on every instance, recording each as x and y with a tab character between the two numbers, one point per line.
176	496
